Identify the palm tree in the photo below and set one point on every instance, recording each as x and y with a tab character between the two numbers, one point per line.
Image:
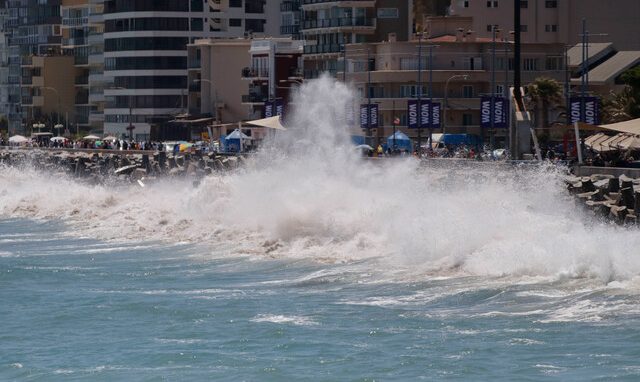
619	107
543	94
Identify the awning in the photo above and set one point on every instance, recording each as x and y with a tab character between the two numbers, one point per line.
631	127
271	122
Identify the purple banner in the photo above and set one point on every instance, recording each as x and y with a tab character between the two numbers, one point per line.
585	109
435	115
273	108
419	114
498	114
368	116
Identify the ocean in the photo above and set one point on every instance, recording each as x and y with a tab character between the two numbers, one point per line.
311	264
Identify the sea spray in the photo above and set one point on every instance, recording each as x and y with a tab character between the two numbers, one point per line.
308	194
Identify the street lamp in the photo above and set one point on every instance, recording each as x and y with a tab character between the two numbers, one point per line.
446	94
130	127
57	95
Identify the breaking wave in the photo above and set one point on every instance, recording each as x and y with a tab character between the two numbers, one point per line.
309	195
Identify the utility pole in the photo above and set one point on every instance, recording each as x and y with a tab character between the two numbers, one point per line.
368	96
419	90
517	82
430	96
493	84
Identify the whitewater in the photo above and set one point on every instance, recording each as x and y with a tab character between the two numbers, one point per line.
310	262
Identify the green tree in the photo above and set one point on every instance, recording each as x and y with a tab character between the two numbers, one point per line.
543	95
619	107
631	78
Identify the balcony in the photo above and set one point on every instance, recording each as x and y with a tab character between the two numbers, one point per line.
254	98
250	73
290	6
290	29
309	5
320	49
82	80
75	21
340	22
74	41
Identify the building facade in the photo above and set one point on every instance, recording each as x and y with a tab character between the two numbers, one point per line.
461	74
557	21
32	28
328	26
275	69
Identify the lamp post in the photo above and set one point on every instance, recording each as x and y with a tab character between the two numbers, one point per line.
419	90
446	104
130	127
58	96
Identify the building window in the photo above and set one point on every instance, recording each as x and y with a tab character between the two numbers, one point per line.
466	4
551	4
524	4
499	89
196	24
235	3
551	28
235	22
492	4
495	26
254	25
524	28
467	91
467	119
554	63
530	64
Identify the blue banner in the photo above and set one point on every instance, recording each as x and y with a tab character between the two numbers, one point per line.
585	109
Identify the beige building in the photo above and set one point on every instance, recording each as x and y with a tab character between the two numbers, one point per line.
216	86
48	90
557	21
329	25
461	70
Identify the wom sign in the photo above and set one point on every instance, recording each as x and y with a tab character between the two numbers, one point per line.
500	112
424	115
273	108
368	116
584	109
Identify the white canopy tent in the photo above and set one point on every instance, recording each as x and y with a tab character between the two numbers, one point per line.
629	127
271	122
17	139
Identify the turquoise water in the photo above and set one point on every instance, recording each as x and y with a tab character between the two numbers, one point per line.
81	309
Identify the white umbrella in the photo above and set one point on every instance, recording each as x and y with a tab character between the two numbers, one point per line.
110	138
18	139
91	138
58	139
364	147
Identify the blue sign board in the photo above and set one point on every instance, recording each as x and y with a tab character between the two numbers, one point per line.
499	113
584	109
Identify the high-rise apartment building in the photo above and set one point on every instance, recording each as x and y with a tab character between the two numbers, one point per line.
557	21
145	52
33	28
329	25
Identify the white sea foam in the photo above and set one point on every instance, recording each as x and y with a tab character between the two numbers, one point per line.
309	196
282	319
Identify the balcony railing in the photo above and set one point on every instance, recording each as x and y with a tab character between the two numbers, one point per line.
255	98
305	2
289	29
290	6
82	80
318	49
254	73
340	22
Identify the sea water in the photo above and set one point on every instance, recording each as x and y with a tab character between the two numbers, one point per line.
312	264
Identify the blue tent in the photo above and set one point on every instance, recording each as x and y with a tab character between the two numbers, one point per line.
403	142
232	141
